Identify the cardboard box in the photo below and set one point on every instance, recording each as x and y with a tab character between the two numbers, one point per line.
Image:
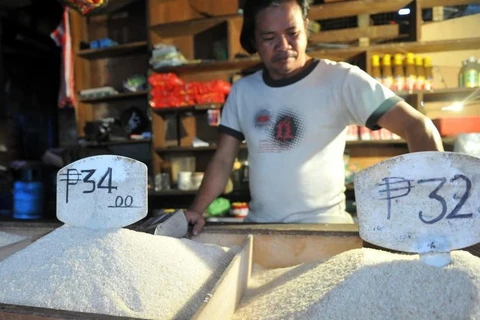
456	125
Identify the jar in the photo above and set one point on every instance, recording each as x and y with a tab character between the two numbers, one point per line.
239	209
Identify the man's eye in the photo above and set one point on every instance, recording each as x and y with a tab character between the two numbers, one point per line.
268	39
294	34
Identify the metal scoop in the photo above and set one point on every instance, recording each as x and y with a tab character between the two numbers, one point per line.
167	224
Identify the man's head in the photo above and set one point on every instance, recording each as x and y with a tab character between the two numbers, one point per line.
277	30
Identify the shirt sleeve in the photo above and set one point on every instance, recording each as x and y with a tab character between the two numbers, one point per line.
230	122
366	99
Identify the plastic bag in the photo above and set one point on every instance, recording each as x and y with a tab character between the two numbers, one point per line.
85	7
468	143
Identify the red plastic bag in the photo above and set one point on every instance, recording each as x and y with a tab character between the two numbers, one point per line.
212	97
162	79
85	7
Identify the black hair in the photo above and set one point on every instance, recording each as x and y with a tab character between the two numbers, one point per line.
250	11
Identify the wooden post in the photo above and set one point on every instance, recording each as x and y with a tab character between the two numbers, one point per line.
415	20
363	21
81	67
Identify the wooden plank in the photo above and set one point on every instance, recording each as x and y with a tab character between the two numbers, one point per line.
162	11
116	51
17	312
337	54
187	129
415	23
354	8
112	6
189	27
273	251
82	76
234	65
229	289
120	96
347	35
233	34
428	46
215	8
445	3
166	133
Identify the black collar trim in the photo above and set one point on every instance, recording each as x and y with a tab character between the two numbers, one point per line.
288	81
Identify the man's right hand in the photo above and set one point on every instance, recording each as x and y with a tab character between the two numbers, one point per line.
196	219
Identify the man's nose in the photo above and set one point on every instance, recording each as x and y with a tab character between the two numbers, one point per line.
283	43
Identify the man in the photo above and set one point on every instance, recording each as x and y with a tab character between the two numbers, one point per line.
293	115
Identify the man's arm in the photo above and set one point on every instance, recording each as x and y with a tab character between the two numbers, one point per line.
416	128
214	180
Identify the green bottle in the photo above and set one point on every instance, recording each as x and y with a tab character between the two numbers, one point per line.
470	74
461	79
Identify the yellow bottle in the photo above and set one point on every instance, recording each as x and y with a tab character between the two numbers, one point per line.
420	83
376	73
427	65
387	77
398	73
410	72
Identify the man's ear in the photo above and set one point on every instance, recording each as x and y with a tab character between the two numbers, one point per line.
307	27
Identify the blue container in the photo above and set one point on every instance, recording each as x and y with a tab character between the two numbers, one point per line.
28	200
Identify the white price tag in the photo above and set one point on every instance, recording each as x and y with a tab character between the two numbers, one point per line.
102	192
424	202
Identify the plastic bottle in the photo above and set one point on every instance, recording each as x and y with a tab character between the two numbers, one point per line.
461	79
398	73
387	77
427	65
478	69
420	81
376	72
410	72
470	74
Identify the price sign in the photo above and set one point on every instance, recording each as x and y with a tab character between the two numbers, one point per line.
102	192
423	202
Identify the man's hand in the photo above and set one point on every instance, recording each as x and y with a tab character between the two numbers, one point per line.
195	218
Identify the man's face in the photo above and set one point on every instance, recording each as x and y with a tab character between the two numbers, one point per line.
281	39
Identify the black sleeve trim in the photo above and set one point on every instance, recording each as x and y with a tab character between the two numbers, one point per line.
380	111
231	132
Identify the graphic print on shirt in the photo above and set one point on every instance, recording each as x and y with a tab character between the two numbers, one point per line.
263	118
283	131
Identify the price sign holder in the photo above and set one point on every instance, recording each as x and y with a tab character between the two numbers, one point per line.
102	192
423	202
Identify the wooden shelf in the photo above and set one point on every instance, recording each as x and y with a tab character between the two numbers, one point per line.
362	143
190	149
451	94
112	6
200	107
427	46
185	149
448	94
116	51
188	27
172	192
355	8
386	143
214	65
120	96
342	54
114	143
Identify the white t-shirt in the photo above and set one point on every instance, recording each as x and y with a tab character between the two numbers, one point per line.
295	132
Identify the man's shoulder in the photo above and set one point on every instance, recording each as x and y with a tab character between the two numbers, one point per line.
248	80
334	66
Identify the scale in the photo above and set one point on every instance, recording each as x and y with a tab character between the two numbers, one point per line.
109	191
425	202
